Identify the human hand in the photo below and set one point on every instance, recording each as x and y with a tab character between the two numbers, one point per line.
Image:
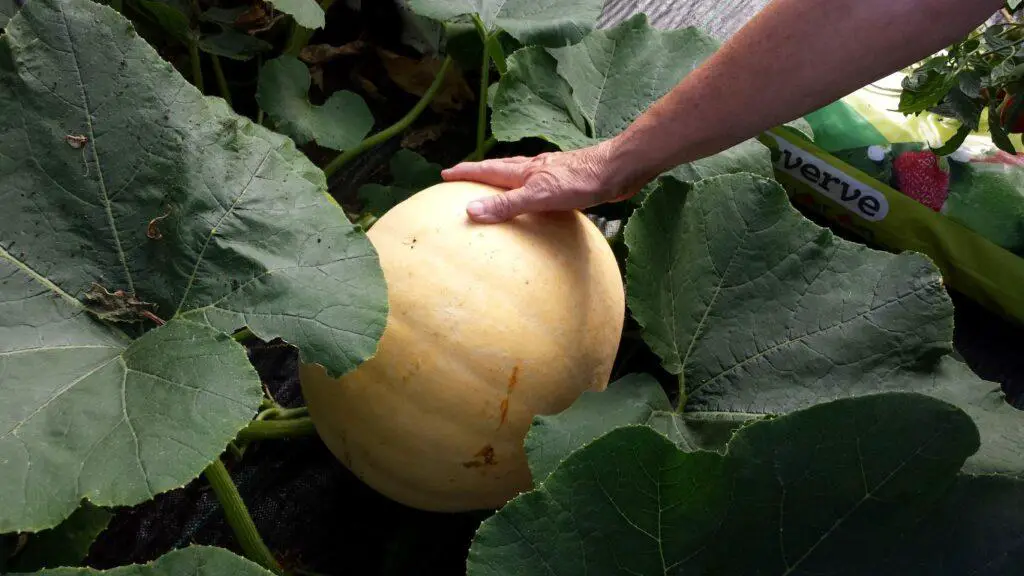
547	182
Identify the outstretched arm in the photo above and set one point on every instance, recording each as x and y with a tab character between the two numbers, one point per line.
792	58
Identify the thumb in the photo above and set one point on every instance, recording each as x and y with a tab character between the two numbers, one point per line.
502	206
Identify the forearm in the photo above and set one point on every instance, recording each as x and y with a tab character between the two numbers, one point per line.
792	58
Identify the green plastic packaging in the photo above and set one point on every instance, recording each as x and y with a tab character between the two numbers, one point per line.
968	217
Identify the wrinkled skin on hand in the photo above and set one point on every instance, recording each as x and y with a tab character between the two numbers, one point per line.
551	181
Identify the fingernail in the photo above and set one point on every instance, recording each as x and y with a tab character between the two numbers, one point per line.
476	208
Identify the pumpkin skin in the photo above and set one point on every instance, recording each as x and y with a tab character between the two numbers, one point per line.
488	325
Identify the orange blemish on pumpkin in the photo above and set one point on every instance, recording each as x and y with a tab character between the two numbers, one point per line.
486	454
512	381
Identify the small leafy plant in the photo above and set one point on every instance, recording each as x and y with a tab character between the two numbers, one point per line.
976	78
816	420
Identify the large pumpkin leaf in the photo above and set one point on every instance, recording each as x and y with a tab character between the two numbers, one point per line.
282	90
634	399
133	194
123	174
578	95
194	560
307	13
66	544
529	21
854	486
7	9
87	413
231	43
410	173
760	311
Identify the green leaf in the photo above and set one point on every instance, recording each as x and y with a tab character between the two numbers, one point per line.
7	10
194	560
410	173
995	127
954	143
124	175
996	40
340	123
969	82
127	182
760	311
230	42
833	489
65	545
171	16
975	530
86	413
925	88
307	13
961	107
537	22
579	95
802	127
634	399
233	44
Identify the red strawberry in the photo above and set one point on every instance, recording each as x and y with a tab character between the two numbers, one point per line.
919	175
1013	125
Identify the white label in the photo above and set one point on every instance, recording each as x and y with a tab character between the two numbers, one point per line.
852	194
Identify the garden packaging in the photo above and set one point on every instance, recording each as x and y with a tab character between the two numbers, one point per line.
872	171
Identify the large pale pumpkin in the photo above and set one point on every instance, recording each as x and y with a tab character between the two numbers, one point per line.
489	325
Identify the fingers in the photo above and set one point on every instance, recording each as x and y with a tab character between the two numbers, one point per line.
507	205
501	172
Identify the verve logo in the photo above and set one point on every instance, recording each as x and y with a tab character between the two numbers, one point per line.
854	195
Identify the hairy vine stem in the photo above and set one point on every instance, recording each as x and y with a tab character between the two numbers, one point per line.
391	131
282	413
270	429
300	35
222	81
485	73
238	517
197	65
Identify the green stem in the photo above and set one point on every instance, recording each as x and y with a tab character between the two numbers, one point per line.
238	517
197	65
300	35
366	221
280	413
497	54
222	82
391	131
682	394
485	73
277	429
259	109
488	144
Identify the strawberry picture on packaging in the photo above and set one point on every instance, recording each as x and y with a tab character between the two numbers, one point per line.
980	189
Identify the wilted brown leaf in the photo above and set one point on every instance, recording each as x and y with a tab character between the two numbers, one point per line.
416	138
415	77
321	53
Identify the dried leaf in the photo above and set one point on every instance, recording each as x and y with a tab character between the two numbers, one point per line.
76	141
117	306
321	53
417	138
316	75
416	76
